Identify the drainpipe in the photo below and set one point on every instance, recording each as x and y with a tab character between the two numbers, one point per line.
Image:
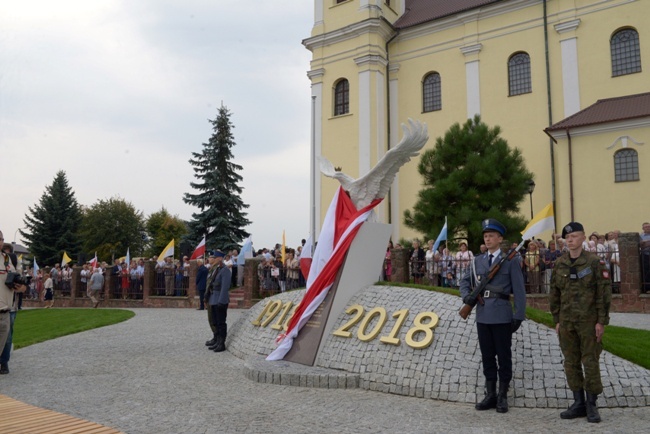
568	135
550	112
389	205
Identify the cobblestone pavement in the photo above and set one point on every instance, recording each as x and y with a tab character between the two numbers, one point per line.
153	374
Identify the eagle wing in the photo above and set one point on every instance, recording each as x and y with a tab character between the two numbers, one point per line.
376	183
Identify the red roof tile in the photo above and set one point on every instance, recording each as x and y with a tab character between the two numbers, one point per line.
607	110
421	11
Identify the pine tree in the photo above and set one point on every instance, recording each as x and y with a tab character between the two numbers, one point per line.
53	224
471	174
221	215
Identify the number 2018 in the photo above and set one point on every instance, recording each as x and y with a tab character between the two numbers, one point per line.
424	322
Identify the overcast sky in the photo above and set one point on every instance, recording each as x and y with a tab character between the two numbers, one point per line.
118	95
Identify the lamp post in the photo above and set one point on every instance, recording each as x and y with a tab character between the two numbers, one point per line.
531	188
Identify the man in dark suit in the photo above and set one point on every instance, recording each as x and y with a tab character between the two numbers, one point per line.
495	320
201	280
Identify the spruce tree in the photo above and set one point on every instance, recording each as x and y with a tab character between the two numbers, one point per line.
221	217
52	225
471	174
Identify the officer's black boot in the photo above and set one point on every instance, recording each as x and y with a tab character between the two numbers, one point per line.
215	342
578	408
210	342
592	408
502	398
220	345
490	400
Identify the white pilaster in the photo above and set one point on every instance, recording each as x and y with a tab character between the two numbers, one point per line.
472	81
570	76
364	123
317	131
318	12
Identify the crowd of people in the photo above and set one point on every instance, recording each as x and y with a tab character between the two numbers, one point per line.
442	267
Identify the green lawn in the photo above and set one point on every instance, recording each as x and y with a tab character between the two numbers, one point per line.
38	325
629	344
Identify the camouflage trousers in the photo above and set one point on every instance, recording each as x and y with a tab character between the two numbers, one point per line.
579	347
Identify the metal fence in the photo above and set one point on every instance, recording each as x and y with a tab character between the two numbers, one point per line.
644	254
171	282
448	271
274	278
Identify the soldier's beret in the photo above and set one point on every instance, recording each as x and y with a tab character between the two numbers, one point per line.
572	227
493	225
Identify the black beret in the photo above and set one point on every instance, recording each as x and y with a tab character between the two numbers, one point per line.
572	227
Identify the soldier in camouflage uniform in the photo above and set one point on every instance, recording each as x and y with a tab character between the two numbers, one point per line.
580	298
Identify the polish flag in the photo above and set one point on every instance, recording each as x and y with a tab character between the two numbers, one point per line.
200	250
342	222
94	262
305	258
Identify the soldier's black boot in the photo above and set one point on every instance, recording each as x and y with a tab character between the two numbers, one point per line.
215	341
592	408
502	398
490	400
220	345
578	408
210	342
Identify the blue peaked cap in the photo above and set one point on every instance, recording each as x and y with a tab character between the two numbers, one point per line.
493	225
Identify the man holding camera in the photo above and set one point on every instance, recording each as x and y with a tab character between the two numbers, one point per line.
8	297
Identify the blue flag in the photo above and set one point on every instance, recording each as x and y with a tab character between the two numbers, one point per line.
246	251
441	237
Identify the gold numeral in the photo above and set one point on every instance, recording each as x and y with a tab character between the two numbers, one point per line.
343	330
285	311
261	315
285	326
361	333
427	329
273	311
392	338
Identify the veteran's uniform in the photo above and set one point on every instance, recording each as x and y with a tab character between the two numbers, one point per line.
579	298
495	319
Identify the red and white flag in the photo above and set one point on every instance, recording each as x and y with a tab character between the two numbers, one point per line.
93	262
342	222
305	258
200	250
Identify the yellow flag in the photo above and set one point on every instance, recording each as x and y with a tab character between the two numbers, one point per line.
65	259
543	221
167	251
284	248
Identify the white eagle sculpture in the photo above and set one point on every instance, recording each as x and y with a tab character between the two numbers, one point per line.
376	183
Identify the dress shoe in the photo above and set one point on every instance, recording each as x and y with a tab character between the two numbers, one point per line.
4	368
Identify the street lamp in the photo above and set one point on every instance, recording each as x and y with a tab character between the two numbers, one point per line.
531	188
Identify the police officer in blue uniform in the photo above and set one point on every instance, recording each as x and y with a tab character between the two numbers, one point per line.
495	319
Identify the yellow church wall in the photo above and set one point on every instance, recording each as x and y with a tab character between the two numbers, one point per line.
522	118
601	204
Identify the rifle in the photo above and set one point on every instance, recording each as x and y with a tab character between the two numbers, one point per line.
477	293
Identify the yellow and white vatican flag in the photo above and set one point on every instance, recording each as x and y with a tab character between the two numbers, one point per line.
543	221
65	259
167	251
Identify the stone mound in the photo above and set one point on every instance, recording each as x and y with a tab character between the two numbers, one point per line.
448	369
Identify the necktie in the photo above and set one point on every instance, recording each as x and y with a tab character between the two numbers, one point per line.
490	261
